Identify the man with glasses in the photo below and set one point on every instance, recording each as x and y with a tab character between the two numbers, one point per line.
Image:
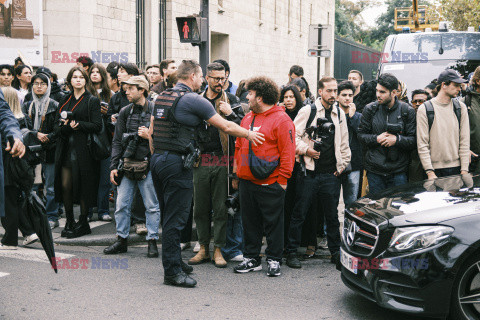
228	85
419	96
210	177
415	169
153	75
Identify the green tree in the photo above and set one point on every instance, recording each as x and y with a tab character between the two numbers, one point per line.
386	22
462	13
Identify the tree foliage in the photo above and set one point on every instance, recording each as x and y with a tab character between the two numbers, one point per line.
462	13
349	24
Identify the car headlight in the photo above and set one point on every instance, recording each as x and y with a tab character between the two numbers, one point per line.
418	238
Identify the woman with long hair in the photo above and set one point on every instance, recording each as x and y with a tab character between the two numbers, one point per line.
98	76
11	97
23	79
76	172
292	100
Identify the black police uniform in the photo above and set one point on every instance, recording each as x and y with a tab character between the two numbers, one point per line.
174	183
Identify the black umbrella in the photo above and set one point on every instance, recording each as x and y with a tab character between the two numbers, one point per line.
36	214
19	172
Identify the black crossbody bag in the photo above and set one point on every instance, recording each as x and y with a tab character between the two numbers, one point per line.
260	168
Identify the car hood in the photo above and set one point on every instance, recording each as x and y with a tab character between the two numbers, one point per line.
430	201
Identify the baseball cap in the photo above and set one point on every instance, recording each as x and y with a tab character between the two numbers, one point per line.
450	75
138	81
44	70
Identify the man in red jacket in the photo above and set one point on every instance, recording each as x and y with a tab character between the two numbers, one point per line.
263	172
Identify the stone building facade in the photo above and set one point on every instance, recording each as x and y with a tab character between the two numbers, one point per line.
254	36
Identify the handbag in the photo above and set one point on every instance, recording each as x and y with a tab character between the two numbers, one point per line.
135	169
260	168
99	143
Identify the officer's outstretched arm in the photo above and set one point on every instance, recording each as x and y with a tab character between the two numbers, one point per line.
234	129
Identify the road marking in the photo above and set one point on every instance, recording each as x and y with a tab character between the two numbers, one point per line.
30	254
3	274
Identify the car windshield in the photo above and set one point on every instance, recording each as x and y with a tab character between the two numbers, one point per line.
418	75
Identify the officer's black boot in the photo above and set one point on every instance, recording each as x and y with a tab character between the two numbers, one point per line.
152	248
119	246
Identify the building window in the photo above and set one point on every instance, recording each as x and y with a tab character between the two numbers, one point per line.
140	33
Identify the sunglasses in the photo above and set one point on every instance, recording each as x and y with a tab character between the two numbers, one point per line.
420	101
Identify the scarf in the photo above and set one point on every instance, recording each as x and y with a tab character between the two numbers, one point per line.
41	105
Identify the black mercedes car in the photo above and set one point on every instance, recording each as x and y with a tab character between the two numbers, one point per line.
416	248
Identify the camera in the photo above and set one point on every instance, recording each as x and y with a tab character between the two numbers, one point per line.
66	115
322	130
395	129
233	203
129	143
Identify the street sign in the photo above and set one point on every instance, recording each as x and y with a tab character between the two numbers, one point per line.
320	40
320	53
192	29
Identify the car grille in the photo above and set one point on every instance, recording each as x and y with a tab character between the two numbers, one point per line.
359	236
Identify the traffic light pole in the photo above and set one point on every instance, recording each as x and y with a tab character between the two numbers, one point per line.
205	46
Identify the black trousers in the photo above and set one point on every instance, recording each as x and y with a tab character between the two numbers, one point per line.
174	188
290	201
12	215
262	209
186	235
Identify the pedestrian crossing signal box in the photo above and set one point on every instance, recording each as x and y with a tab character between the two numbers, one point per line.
192	29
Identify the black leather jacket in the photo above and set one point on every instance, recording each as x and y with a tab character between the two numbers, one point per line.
383	160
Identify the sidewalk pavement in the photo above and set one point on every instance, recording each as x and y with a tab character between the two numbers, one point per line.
103	233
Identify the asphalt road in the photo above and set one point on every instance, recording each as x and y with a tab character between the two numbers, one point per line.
29	289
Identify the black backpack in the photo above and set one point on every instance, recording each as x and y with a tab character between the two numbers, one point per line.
403	111
457	108
313	112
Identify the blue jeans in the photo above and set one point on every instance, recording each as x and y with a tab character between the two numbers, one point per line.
377	183
350	183
234	244
51	206
104	187
124	205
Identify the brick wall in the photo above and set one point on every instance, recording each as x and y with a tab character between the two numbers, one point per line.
258	47
72	27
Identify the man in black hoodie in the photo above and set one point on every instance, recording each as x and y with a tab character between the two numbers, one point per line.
388	134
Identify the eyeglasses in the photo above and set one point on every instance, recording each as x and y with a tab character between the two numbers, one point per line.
419	101
39	84
217	80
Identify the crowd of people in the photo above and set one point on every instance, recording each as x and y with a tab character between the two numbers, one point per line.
169	147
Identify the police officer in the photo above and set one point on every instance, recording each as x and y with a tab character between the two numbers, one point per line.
179	116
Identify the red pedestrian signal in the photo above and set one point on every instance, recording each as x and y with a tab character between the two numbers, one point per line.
192	29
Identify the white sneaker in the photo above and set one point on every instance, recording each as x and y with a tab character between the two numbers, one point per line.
53	224
197	247
323	243
4	247
185	245
30	239
238	258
